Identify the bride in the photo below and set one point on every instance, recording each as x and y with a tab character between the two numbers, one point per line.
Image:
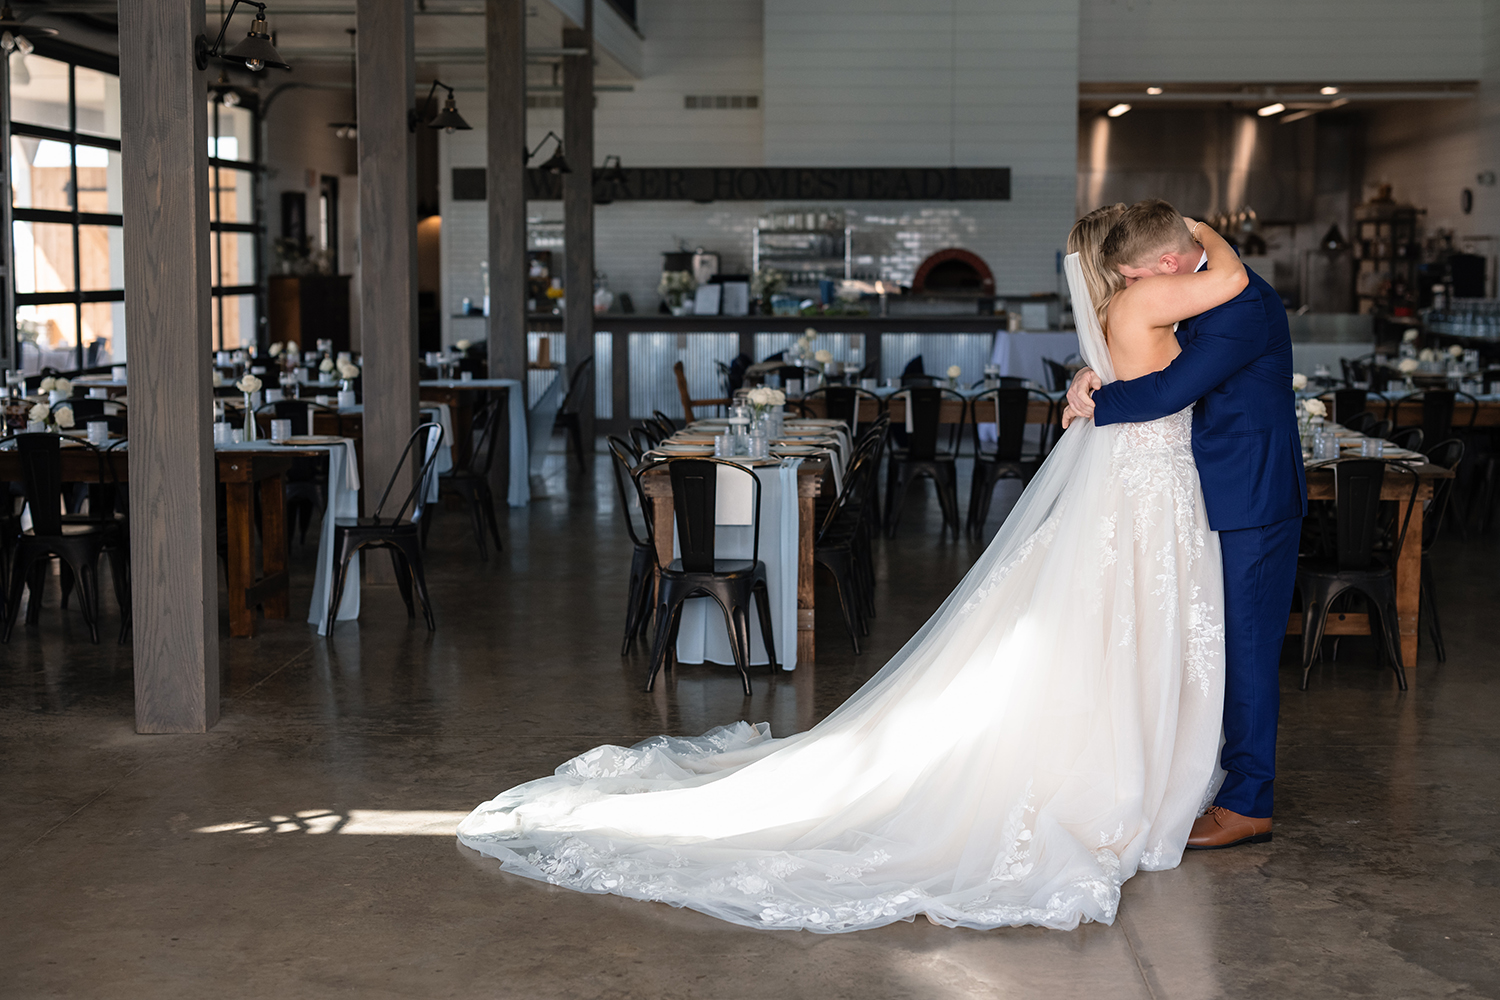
1050	731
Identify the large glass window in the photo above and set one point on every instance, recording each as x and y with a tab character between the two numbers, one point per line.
66	205
65	235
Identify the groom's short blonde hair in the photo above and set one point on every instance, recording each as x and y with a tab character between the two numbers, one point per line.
1144	232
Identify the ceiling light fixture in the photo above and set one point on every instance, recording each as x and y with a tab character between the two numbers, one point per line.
448	119
1118	110
1329	91
350	129
256	51
16	34
556	163
1271	109
1153	91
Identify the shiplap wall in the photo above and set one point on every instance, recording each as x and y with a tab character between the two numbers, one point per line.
1275	40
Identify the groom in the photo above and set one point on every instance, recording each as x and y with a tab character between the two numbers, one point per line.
1235	370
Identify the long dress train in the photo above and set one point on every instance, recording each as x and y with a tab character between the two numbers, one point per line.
1051	729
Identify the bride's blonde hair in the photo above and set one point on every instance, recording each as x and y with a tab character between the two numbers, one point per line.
1085	240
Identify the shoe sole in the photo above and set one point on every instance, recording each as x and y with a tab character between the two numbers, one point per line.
1258	838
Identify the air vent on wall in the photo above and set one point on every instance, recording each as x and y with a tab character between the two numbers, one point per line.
738	102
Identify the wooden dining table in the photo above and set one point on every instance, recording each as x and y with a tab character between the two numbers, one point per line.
952	411
244	474
811	474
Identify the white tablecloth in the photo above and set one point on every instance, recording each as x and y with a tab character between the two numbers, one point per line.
343	501
702	635
1021	354
519	487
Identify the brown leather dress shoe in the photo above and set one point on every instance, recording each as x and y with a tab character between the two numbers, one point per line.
1219	828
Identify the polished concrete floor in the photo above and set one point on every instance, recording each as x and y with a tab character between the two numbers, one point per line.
303	847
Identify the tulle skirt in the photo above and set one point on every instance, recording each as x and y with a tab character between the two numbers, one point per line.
1051	730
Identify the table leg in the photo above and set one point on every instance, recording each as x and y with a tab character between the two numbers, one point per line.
663	523
806	641
1409	585
273	546
241	572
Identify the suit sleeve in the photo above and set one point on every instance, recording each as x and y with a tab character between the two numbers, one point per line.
1230	338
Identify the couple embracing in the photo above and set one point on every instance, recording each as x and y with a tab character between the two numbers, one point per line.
1098	694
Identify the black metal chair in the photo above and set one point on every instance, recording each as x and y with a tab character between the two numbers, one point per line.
78	545
567	411
842	546
843	402
1361	422
1007	461
1353	563
1348	402
1059	373
1439	409
644	438
925	456
662	420
1409	438
472	482
1379	429
643	557
399	534
732	583
1447	454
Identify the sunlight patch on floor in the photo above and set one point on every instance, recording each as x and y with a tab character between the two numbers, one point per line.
371	822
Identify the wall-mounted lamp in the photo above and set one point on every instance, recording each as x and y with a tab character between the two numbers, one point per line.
447	119
16	34
556	163
256	51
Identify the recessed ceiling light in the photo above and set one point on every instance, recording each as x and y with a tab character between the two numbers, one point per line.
1118	110
1271	109
1153	91
1329	91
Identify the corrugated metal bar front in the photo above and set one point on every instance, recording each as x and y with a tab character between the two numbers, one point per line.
848	348
652	355
970	351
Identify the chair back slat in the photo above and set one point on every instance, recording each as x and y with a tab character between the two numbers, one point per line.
1008	408
1437	414
926	404
1348	402
695	503
1356	487
41	477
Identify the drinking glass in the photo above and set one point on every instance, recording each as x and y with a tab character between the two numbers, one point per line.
280	430
758	446
221	432
99	432
1372	448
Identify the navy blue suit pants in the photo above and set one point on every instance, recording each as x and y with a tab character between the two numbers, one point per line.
1260	570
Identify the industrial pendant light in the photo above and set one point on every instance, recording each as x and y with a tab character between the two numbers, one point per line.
448	119
256	51
17	34
556	163
350	129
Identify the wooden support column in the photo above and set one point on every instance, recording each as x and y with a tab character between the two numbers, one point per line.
385	68
505	115
578	210
164	156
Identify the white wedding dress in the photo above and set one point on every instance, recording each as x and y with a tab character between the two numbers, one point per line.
1051	730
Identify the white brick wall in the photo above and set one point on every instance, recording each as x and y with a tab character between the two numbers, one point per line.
1270	41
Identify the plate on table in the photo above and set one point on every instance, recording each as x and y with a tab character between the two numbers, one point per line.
795	449
303	440
700	439
695	450
814	421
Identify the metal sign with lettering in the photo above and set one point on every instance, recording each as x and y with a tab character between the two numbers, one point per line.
705	184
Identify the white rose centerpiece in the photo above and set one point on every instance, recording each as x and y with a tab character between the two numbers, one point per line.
276	349
1299	382
63	417
1409	337
822	357
954	374
1314	408
249	385
326	365
462	345
1408	365
39	414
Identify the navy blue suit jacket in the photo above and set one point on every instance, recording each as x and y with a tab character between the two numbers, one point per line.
1236	365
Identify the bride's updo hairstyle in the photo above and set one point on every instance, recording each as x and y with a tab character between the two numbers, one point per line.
1144	232
1086	239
